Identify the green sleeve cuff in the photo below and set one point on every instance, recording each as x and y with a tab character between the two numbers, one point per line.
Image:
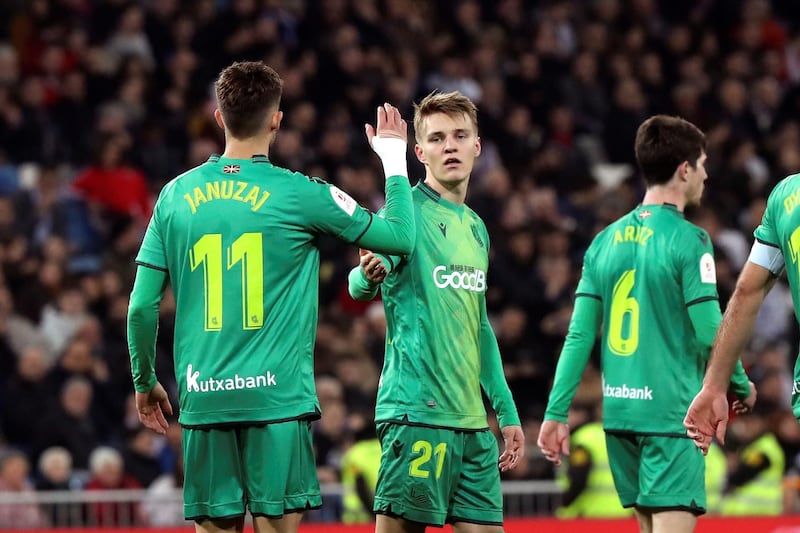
359	287
583	326
148	289
740	383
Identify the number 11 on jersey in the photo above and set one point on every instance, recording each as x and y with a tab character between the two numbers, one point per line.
248	250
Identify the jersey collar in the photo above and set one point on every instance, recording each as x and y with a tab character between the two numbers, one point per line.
257	158
436	197
667	206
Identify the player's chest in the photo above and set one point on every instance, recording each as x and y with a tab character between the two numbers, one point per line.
455	242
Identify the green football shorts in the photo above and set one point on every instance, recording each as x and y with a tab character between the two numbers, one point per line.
657	473
436	476
268	469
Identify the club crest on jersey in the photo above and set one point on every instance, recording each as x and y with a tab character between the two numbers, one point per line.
644	214
231	169
477	235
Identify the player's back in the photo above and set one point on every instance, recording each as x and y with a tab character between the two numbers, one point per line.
242	259
647	268
781	228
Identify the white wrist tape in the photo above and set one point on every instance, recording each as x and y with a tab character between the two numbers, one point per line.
393	155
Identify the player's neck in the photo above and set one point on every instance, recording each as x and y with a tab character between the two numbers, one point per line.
661	194
455	193
246	148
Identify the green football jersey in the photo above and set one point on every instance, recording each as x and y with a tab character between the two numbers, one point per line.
647	268
431	371
237	238
780	227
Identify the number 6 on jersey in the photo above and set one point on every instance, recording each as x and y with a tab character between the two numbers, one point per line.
623	335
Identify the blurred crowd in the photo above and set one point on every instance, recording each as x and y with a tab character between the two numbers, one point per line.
104	101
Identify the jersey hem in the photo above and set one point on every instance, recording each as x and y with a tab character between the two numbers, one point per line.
646	433
207	420
406	422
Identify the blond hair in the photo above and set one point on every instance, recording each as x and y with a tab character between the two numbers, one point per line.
453	104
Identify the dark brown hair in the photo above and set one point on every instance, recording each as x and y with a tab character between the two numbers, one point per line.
246	92
663	143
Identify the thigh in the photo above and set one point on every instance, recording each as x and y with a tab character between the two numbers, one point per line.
623	458
672	475
279	466
478	497
415	481
213	486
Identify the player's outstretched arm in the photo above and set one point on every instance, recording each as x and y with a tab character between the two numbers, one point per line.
394	231
148	289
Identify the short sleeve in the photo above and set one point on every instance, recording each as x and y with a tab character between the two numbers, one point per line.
766	231
152	252
328	209
697	270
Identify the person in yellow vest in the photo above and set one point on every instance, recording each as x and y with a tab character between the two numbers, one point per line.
716	474
360	465
587	478
755	485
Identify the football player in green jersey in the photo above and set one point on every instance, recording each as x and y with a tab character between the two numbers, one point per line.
236	237
649	283
777	241
440	459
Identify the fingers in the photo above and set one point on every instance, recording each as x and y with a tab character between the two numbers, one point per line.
166	407
390	123
721	428
153	418
370	131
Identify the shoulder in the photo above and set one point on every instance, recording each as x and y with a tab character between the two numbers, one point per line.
693	232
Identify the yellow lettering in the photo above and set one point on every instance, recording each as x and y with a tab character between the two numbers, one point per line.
617	237
791	202
630	234
199	197
227	192
241	187
212	190
646	234
252	195
191	203
264	196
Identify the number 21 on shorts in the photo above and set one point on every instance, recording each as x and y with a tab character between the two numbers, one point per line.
426	450
623	327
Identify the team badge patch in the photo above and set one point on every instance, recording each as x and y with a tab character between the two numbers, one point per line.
708	272
231	169
644	214
343	200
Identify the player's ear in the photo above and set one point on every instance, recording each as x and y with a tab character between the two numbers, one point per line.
683	171
275	123
420	154
477	146
218	118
